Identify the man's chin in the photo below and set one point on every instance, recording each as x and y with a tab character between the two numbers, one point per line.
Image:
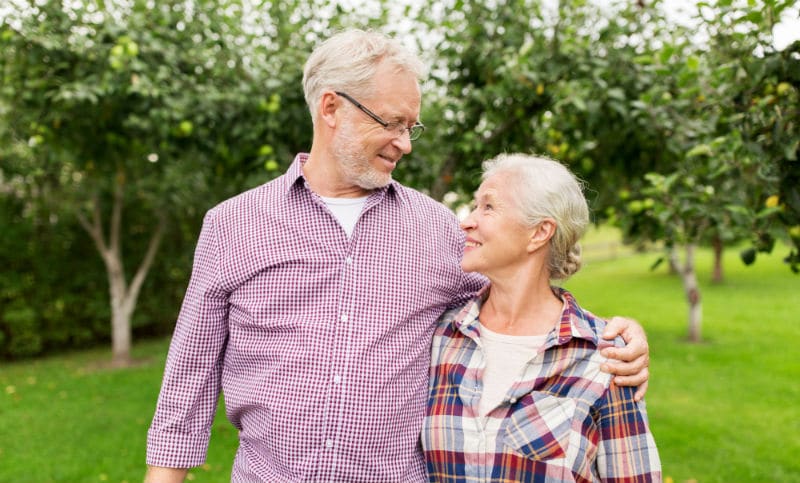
374	182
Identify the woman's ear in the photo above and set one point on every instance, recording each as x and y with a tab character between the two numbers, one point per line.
541	234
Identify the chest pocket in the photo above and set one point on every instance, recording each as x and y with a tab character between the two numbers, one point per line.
541	429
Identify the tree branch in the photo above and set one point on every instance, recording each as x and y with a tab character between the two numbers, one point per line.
116	212
147	261
95	227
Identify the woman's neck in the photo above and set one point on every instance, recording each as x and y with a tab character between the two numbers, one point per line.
514	307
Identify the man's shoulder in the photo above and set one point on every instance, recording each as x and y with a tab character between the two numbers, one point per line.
246	201
422	201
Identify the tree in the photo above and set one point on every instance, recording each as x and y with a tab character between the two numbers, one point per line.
770	105
646	111
129	113
135	118
729	162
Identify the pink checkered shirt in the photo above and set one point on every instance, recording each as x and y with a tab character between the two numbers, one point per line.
320	343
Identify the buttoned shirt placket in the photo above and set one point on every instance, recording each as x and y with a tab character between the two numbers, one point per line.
342	328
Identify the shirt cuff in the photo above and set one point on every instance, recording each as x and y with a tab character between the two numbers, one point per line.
176	450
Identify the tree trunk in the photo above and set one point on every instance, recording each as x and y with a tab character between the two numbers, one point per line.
120	309
718	247
121	332
123	297
674	261
692	291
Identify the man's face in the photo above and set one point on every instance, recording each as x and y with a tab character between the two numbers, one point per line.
367	152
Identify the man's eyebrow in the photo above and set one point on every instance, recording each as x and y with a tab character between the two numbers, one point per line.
401	119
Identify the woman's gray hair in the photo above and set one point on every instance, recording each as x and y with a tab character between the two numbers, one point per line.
544	188
348	61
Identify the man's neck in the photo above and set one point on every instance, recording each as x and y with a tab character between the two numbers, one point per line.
326	180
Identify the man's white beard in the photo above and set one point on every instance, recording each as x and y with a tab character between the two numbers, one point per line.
355	163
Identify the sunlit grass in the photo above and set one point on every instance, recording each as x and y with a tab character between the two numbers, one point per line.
722	411
71	418
725	410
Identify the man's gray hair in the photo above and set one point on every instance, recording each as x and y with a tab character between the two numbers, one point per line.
348	61
544	188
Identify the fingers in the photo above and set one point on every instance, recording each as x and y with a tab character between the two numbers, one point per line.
640	391
628	364
634	373
630	359
624	327
635	368
635	355
636	379
615	327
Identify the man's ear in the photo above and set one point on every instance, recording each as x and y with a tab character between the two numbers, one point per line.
541	234
329	104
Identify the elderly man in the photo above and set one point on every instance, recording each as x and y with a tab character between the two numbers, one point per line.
313	298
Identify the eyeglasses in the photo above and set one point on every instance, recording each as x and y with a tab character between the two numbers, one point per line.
396	128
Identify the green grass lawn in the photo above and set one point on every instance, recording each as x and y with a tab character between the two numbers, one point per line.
71	419
727	410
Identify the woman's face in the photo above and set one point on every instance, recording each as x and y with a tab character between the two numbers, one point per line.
497	240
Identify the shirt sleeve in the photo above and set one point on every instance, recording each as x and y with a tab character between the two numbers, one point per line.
626	451
181	427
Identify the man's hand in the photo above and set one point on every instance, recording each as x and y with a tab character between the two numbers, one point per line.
630	367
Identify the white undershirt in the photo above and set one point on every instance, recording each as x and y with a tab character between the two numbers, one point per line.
346	211
506	356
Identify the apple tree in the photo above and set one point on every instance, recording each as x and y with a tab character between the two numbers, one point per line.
130	116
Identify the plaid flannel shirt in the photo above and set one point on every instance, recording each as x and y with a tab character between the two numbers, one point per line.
561	421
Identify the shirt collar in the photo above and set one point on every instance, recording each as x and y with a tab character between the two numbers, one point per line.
294	174
574	323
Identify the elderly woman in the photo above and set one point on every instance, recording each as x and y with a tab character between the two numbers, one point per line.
516	389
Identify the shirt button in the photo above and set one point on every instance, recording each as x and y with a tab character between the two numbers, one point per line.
337	379
329	443
512	400
348	261
343	318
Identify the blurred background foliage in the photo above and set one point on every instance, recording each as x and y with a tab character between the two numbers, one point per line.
122	122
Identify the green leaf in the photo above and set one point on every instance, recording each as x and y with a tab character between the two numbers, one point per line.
657	263
579	103
666	53
616	93
699	150
754	16
790	151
